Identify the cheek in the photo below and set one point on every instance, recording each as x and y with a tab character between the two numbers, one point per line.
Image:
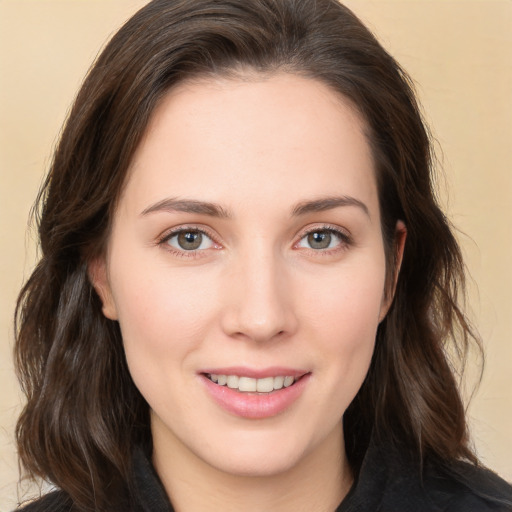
163	315
163	319
347	304
344	321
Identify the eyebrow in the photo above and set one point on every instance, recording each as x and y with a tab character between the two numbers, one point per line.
188	206
172	204
328	203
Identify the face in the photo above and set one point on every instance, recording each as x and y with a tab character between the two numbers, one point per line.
246	269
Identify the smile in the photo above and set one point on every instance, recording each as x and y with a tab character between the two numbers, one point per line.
264	394
252	385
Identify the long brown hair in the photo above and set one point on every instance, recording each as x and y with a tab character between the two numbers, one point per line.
84	414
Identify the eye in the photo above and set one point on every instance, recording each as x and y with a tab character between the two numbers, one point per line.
189	240
322	239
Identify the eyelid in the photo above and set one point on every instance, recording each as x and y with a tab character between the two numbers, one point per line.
324	227
169	233
343	234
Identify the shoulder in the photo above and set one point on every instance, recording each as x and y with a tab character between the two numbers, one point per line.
463	487
56	501
392	478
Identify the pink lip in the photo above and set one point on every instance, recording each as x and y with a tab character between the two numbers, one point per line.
254	405
255	373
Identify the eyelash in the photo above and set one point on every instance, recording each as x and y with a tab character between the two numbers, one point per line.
164	241
345	241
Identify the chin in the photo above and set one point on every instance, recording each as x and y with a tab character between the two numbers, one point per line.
254	454
260	465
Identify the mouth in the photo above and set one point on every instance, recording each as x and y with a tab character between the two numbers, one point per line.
245	384
255	394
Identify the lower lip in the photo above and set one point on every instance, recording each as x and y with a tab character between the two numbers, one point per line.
253	405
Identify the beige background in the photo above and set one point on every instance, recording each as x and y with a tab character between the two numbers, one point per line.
460	54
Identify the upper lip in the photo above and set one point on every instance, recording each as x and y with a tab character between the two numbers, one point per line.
256	373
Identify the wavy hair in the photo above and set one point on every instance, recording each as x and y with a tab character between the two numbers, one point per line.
83	413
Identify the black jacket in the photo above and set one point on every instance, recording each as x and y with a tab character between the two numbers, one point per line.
389	481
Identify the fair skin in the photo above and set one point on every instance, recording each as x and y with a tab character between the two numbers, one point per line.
247	243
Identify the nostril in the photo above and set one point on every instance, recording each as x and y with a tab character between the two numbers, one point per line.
262	315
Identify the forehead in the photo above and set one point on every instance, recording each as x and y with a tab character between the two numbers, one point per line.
257	134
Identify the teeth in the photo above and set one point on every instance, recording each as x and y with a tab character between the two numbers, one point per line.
278	382
247	384
265	385
288	381
250	385
233	381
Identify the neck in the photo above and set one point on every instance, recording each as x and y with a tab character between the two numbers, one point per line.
318	483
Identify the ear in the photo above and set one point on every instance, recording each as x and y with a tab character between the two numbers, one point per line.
398	254
98	275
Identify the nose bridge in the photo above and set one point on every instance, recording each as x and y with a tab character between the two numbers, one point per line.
260	305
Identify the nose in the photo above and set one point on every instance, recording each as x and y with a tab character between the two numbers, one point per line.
259	302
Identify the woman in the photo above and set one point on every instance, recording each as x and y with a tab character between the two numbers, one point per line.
246	284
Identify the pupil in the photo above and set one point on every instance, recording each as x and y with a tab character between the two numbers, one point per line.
190	240
319	240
